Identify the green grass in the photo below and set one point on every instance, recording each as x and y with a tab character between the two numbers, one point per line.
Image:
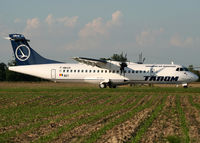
96	135
24	110
182	119
192	103
173	139
89	119
146	124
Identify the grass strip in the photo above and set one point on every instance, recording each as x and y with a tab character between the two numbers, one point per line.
182	119
147	123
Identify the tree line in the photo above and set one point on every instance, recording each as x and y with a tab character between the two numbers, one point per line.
7	75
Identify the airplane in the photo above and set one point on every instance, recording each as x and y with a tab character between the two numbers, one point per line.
106	73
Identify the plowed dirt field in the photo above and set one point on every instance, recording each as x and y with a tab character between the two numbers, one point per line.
74	113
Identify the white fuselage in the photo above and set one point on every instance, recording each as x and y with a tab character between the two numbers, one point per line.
133	73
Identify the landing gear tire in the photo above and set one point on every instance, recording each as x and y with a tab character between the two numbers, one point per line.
185	85
102	85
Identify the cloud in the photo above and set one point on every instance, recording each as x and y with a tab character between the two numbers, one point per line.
49	20
17	20
98	28
94	28
148	37
177	41
116	18
33	23
50	26
96	31
66	21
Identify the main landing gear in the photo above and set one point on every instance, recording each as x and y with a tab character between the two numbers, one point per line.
104	85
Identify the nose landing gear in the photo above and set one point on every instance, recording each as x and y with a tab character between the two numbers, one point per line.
185	85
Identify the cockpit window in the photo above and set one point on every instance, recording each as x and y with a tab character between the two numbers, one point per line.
182	69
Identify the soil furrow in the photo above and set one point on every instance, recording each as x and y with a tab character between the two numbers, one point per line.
166	124
124	131
60	121
193	120
86	129
23	124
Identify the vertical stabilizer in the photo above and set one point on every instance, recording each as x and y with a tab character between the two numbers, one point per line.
24	54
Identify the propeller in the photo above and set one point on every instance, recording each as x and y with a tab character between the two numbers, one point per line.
123	65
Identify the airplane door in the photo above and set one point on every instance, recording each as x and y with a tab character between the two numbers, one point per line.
53	74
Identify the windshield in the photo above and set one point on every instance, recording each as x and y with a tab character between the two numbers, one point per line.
182	69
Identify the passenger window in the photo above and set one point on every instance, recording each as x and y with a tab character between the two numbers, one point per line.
74	70
70	70
93	71
67	70
78	70
129	71
82	70
113	71
136	71
90	71
133	71
63	70
117	71
101	71
144	71
85	70
97	70
140	71
105	71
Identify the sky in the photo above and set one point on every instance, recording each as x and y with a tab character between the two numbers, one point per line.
164	31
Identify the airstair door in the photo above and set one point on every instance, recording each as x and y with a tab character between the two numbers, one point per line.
53	74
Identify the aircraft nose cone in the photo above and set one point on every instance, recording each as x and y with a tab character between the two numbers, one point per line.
195	77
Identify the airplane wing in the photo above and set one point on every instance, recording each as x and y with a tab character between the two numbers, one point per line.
92	62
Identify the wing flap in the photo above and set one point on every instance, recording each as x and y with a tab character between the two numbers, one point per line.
92	62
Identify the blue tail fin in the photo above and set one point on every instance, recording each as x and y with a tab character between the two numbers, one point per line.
24	54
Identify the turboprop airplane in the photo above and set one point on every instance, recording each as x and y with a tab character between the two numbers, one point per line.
104	72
